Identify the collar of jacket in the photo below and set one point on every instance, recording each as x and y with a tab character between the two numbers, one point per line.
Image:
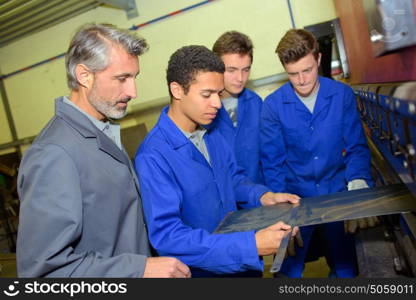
87	129
171	132
242	107
243	97
325	92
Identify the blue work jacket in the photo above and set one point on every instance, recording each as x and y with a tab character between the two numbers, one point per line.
185	198
313	153
245	138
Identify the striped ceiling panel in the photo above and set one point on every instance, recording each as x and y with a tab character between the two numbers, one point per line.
20	18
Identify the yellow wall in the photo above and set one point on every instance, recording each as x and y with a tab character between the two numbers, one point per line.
31	93
308	12
264	24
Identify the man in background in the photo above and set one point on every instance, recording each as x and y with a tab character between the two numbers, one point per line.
239	117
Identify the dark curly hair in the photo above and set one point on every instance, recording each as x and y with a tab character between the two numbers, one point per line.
187	61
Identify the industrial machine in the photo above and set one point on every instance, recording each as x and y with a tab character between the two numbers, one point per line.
386	99
388	112
391	24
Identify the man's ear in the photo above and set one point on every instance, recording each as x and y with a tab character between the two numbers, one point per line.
177	90
319	58
84	76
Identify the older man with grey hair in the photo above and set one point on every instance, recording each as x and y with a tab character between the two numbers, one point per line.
81	212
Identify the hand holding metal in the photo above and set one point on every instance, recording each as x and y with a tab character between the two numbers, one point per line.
281	252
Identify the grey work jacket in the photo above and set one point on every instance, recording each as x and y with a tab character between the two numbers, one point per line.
80	213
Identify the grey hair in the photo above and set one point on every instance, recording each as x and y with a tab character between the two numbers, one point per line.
91	44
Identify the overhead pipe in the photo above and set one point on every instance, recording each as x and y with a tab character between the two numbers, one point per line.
135	27
292	19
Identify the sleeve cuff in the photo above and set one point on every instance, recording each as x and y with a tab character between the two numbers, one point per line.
259	191
251	258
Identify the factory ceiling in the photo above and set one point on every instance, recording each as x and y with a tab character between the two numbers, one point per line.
20	18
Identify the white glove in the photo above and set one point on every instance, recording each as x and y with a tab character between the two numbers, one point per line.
357	184
351	226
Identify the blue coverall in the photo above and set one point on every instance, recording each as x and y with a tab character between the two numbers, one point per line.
185	198
245	138
313	154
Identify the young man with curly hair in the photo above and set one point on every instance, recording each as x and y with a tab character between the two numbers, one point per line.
190	181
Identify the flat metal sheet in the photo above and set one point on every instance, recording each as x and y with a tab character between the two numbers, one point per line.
341	206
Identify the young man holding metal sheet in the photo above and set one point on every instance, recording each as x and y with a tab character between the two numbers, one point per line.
312	143
190	181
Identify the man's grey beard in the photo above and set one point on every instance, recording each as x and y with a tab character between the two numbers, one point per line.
109	110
